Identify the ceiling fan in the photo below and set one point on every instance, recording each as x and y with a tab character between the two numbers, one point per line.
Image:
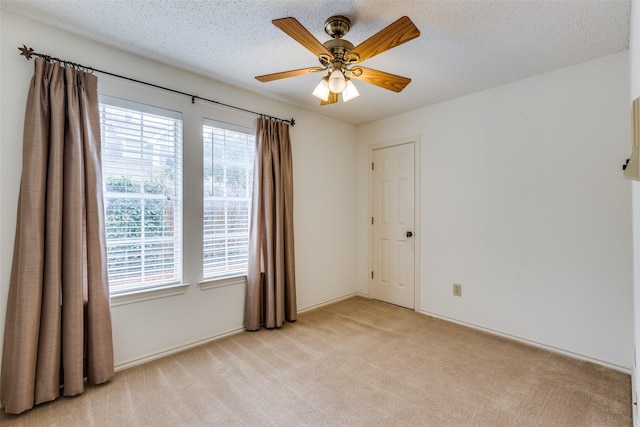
341	58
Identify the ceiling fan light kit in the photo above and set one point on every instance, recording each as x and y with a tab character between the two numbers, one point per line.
339	56
337	82
350	91
322	90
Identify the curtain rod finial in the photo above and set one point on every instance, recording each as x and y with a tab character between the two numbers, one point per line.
293	122
26	51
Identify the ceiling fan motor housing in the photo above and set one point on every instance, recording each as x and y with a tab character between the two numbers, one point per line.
338	48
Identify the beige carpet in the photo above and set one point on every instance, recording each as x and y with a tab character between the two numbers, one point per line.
354	363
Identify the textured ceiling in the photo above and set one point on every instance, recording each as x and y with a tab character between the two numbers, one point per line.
464	47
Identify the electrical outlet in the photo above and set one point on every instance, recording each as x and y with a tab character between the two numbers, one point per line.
457	290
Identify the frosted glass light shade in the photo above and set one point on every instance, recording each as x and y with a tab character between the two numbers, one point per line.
322	90
349	92
336	81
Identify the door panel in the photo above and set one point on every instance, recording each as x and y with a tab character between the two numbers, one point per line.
393	216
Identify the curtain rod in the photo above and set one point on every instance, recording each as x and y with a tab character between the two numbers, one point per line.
27	52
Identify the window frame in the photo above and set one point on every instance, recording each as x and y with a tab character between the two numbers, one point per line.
170	287
234	277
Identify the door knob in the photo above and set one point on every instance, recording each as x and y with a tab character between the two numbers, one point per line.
409	234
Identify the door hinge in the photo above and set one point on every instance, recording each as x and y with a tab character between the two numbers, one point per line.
372	167
371	220
372	274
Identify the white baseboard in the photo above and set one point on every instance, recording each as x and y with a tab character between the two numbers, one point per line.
168	352
623	369
331	301
154	356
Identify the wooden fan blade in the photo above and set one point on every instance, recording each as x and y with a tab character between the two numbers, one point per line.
401	31
296	31
333	98
380	78
285	74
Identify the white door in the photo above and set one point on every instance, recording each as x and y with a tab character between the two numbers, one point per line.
393	221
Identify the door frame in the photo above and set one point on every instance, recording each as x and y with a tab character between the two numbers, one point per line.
417	234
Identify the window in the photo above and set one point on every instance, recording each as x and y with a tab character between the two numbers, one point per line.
142	176
228	153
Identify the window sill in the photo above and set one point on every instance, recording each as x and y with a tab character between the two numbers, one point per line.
148	294
222	282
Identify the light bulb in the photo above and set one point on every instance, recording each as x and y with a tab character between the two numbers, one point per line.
349	92
322	90
337	81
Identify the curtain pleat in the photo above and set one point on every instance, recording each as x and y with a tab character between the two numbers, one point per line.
58	322
271	289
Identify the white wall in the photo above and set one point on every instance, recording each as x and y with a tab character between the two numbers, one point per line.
324	188
523	203
634	62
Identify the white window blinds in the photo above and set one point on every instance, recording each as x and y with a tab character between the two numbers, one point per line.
142	174
228	153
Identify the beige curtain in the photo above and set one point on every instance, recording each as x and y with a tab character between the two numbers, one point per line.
271	284
632	170
58	324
